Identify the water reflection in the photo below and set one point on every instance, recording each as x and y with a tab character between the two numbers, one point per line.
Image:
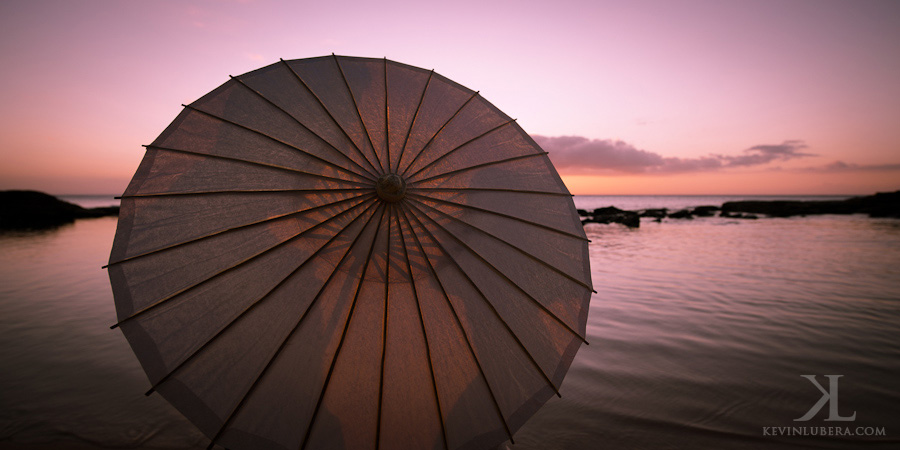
699	334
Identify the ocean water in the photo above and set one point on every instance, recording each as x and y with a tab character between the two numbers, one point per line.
699	334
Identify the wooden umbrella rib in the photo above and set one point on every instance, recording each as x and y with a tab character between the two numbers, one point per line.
387	120
287	338
499	272
427	144
510	244
459	324
275	139
478	166
330	115
337	352
476	189
434	161
368	175
256	163
384	325
255	303
239	191
268	219
488	211
228	269
358	113
413	121
487	302
412	282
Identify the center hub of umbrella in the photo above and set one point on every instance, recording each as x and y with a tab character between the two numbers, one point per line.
390	187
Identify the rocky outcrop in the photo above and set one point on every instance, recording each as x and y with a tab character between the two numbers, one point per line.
611	214
681	214
705	211
35	210
883	204
659	213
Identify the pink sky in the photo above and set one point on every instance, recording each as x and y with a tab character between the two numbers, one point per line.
639	97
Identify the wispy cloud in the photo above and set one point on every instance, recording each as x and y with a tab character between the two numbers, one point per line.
580	155
841	166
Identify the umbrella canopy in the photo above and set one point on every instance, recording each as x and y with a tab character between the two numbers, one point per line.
343	252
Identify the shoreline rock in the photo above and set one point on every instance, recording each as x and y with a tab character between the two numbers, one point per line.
611	214
24	210
882	204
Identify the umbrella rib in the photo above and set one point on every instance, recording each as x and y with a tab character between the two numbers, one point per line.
515	247
488	211
459	324
520	191
358	113
239	191
284	342
327	111
413	122
337	352
499	272
384	324
387	120
200	238
412	282
254	304
257	163
426	166
427	144
484	297
273	138
228	269
368	175
479	166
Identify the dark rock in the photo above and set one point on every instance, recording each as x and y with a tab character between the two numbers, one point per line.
705	211
611	214
681	214
878	205
655	213
731	215
607	210
35	210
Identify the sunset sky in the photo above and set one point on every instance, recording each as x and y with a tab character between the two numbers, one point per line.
637	97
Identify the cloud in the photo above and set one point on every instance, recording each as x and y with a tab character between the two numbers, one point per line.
841	166
580	155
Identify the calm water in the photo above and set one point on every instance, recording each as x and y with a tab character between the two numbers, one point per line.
700	332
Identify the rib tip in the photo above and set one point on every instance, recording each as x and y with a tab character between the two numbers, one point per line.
114	326
145	146
594	291
117	198
231	76
211	445
281	59
104	267
586	342
151	391
183	105
559	395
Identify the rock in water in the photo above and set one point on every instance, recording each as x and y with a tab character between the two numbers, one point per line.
35	210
